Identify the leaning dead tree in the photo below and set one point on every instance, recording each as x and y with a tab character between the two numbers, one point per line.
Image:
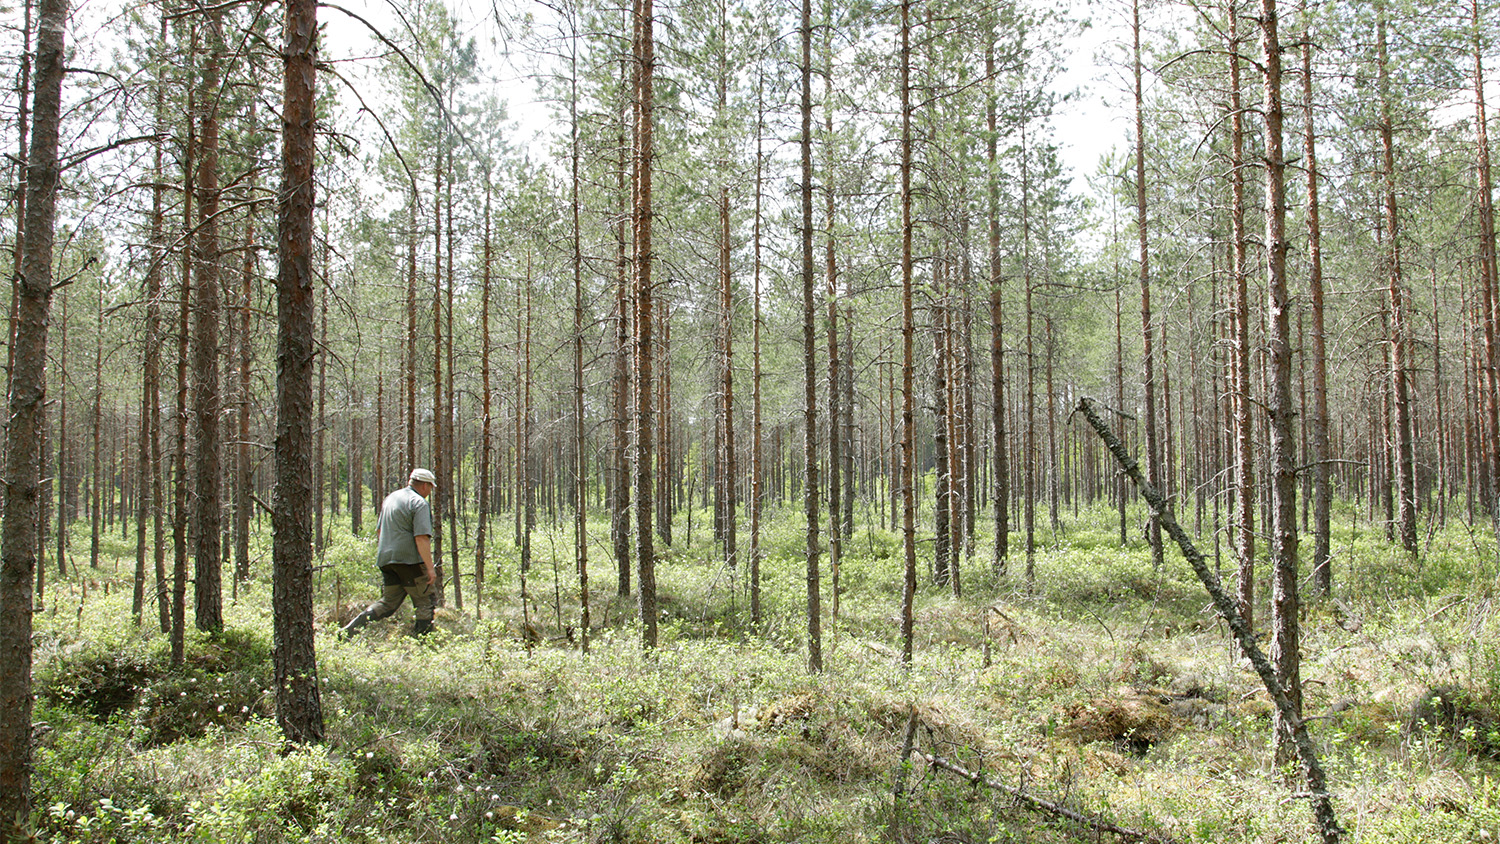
1317	788
1095	823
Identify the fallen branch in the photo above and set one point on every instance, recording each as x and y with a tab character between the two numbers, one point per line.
1317	787
1031	801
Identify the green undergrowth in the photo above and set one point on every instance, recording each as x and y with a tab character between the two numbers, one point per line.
1106	684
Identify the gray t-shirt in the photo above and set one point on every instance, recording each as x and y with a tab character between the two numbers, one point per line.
404	516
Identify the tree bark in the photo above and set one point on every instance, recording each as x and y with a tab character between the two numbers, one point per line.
149	502
645	56
208	601
908	329
1148	329
21	528
831	303
619	528
180	448
809	361
1489	278
244	469
298	705
1244	424
756	422
1286	655
1404	474
997	337
1321	452
580	456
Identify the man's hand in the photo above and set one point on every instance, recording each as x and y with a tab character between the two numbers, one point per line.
424	550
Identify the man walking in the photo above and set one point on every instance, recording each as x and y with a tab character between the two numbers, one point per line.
404	553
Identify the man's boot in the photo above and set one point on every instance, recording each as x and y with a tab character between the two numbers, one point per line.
353	626
421	627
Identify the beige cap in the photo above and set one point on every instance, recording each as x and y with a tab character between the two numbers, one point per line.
424	476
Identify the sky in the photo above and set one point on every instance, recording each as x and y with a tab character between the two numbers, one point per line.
1088	123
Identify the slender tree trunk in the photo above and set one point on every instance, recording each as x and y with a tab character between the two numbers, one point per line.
848	439
621	448
1321	452
941	451
21	527
1405	466
486	446
908	432
809	361
452	502
409	354
148	502
523	507
60	468
1148	329
243	466
831	296
207	588
580	455
438	499
1244	423
320	467
645	56
1285	653
298	705
96	435
180	473
1489	278
997	341
756	422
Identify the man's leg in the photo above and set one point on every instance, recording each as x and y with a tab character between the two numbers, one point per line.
391	596
423	601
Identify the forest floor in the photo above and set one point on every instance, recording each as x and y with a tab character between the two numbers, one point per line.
1106	687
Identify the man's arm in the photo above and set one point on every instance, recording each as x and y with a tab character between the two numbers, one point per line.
424	548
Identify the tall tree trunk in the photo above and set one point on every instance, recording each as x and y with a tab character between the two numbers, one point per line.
756	422
941	451
1148	329
523	503
619	528
21	527
207	584
848	439
1318	360
1285	653
1489	279
1244	423
908	329
1028	481
60	469
486	444
96	435
23	136
645	57
1405	465
180	447
298	705
320	467
809	361
451	501
997	341
580	454
149	502
243	467
409	353
831	296
438	499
